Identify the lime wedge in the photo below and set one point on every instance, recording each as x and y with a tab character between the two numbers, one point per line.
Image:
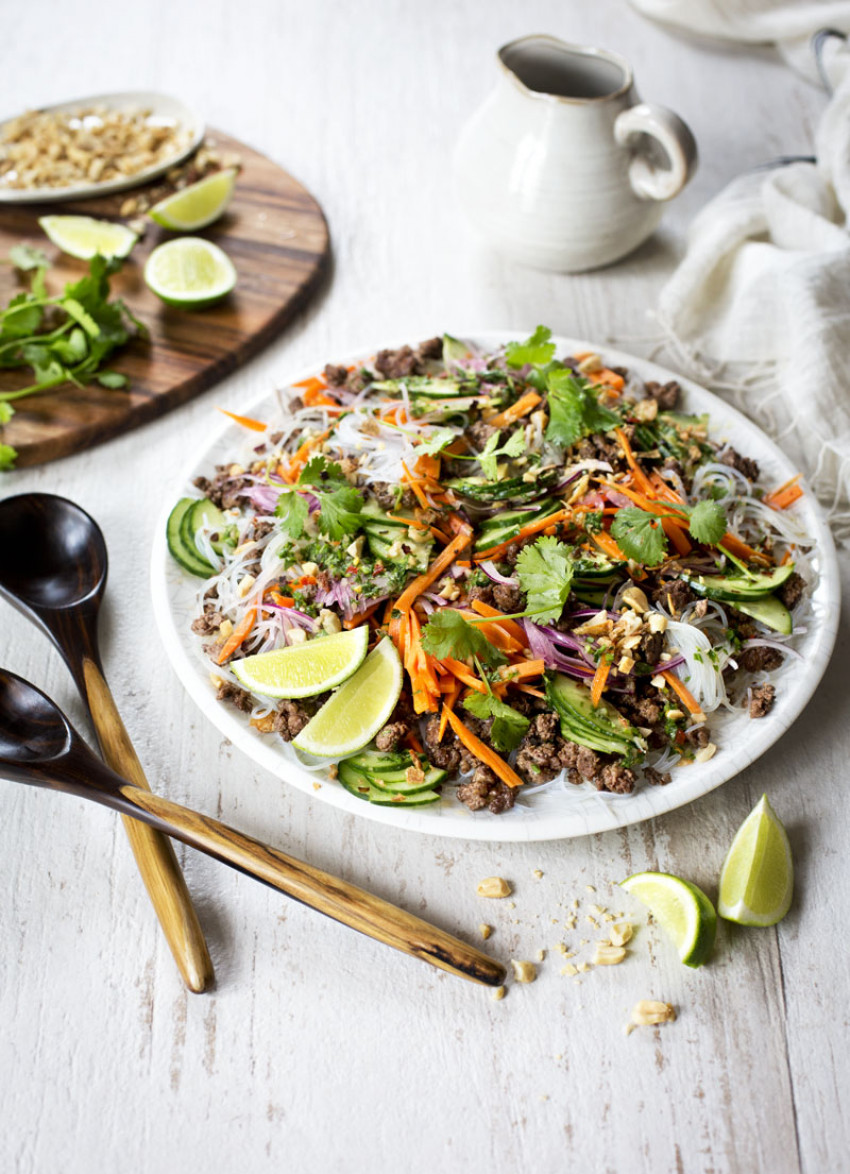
305	669
757	880
197	205
358	709
84	236
190	272
681	909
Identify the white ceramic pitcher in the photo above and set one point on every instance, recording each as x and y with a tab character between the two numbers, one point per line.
562	167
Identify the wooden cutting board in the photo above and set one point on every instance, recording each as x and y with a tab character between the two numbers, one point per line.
276	236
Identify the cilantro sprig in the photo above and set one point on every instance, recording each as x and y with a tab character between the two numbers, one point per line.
509	725
340	504
574	409
545	572
537	350
640	535
447	633
66	338
514	446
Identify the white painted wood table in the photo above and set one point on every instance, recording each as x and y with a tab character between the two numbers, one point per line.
319	1050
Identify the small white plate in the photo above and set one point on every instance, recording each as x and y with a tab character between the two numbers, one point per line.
553	813
160	105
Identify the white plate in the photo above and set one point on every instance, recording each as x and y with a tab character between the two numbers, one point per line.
553	813
159	104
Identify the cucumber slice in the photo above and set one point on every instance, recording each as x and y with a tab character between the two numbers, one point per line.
375	761
425	386
186	554
769	611
204	513
396	781
361	785
735	587
601	728
593	564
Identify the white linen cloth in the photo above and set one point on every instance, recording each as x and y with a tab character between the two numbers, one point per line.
789	24
759	308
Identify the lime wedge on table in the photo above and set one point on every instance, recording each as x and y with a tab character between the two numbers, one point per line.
84	236
757	880
681	909
358	709
197	205
190	272
305	669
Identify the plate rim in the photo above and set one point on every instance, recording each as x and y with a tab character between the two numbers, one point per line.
117	99
613	812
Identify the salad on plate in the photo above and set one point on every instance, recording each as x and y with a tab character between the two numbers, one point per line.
486	574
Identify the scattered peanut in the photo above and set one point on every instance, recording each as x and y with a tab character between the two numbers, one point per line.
494	886
485	930
648	1013
523	971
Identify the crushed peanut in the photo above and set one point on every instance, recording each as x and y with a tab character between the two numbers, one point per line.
245	585
620	934
649	1013
485	930
494	886
569	970
705	752
608	955
657	622
60	149
636	599
523	971
499	993
225	629
538	873
296	636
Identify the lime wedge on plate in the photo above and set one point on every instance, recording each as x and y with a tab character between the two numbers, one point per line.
358	709
305	669
757	880
197	205
681	909
84	236
190	272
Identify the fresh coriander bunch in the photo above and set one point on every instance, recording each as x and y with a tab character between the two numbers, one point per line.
63	338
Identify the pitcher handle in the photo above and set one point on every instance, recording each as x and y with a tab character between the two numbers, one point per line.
649	180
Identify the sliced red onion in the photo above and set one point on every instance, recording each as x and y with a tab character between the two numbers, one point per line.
567	481
490	570
298	619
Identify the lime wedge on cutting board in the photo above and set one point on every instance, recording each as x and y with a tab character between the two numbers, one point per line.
305	669
190	272
358	709
84	236
681	909
757	880
198	205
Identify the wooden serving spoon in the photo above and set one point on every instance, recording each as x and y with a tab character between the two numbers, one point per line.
39	746
53	567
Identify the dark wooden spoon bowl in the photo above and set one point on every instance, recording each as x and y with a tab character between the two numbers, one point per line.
53	569
40	747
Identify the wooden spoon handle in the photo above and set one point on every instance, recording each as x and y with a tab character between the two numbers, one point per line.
153	851
320	890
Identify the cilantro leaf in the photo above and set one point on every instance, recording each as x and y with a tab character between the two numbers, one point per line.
340	512
292	510
545	572
22	317
707	522
8	456
6	412
25	257
509	726
514	446
639	535
447	633
437	440
574	409
536	350
323	474
111	379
